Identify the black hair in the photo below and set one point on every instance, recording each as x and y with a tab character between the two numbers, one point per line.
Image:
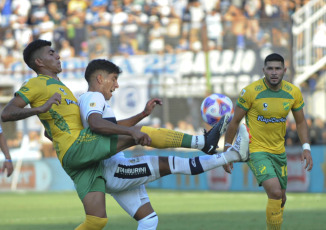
101	64
274	57
31	49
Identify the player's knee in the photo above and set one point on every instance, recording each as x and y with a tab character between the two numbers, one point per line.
275	194
149	222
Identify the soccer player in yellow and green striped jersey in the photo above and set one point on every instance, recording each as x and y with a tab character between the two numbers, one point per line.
265	105
79	150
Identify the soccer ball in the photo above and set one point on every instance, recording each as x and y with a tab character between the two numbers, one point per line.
214	107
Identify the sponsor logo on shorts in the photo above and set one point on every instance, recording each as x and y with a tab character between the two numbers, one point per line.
262	169
132	171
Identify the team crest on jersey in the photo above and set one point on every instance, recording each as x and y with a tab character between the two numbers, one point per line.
265	105
259	88
24	89
287	87
243	91
286	105
93	104
134	160
241	100
62	90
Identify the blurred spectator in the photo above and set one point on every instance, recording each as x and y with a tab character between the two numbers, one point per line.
46	28
319	128
21	8
38	12
15	142
252	13
292	137
169	125
67	51
55	14
97	51
197	15
235	16
156	122
84	50
214	29
127	6
23	33
182	46
156	38
76	14
194	43
125	46
118	18
60	33
130	30
173	30
5	9
142	35
319	39
34	139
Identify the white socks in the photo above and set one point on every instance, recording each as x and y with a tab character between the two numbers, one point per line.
198	142
196	165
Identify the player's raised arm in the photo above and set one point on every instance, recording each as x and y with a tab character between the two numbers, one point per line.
150	105
15	109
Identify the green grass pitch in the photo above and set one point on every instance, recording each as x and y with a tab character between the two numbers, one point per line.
177	210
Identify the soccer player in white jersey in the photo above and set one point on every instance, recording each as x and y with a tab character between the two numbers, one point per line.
125	177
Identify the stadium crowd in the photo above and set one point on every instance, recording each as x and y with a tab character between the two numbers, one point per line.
103	28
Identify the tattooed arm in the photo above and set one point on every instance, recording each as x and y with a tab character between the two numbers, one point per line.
15	110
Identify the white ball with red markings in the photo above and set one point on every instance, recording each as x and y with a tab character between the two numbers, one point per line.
216	106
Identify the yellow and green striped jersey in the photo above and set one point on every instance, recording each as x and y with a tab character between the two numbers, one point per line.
267	112
62	122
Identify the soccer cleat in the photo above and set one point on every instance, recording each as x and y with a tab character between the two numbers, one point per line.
213	135
241	144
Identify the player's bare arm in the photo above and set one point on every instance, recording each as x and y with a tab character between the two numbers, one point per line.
302	130
15	109
99	125
231	131
150	105
7	164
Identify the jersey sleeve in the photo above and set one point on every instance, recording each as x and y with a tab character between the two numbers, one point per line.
94	103
0	129
31	90
298	102
244	101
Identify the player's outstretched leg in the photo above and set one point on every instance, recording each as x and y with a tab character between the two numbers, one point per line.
241	144
166	138
213	135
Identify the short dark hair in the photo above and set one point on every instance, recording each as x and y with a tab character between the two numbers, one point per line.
101	64
274	57
31	49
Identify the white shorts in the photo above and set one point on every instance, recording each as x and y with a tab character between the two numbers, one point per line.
126	179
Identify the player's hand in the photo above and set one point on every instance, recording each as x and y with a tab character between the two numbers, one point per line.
228	167
10	168
150	105
141	138
306	156
55	99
